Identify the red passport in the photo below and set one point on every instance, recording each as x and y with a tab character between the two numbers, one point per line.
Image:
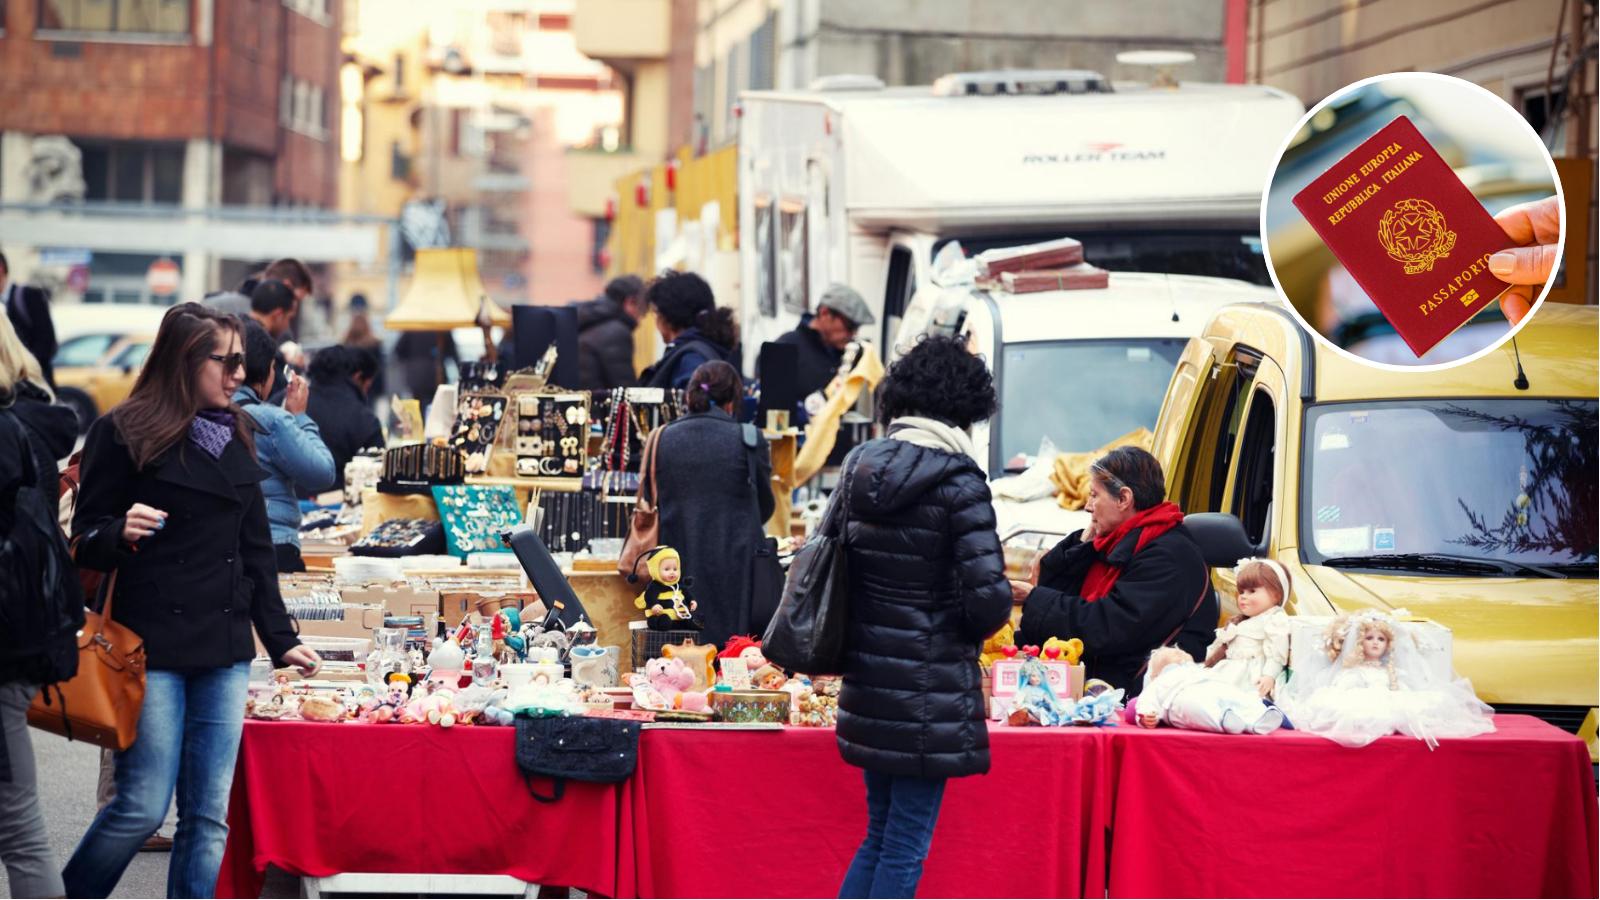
1409	232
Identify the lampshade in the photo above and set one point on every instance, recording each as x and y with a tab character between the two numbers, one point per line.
445	293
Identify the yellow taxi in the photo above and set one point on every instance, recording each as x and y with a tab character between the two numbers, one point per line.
96	370
1466	495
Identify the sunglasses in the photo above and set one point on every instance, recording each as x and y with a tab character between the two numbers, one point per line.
230	362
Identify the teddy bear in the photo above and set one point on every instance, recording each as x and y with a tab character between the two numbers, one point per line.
673	680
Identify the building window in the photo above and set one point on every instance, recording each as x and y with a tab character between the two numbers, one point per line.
316	10
133	173
116	16
302	107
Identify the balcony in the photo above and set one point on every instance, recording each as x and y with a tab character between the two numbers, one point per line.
618	32
592	177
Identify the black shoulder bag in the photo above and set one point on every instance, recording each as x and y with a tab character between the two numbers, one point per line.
577	748
807	632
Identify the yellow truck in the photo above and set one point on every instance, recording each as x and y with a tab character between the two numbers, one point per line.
1466	495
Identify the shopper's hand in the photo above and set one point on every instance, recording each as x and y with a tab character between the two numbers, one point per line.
294	399
1033	570
1149	720
305	659
141	522
1536	228
1020	591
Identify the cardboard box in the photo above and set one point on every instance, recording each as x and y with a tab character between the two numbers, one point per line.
1066	681
396	601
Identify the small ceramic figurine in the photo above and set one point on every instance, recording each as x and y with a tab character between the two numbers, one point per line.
1380	684
664	603
1184	694
1252	650
1035	702
445	664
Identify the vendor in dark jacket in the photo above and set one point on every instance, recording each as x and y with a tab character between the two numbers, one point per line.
340	377
170	499
696	331
927	586
822	338
1134	580
605	335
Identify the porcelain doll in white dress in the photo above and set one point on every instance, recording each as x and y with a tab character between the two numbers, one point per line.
1252	650
1379	684
1185	694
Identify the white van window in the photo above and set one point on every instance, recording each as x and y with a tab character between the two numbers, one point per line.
1467	485
794	276
1079	394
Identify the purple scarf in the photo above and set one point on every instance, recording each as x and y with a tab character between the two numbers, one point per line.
211	431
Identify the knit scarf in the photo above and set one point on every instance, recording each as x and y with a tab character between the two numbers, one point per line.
211	431
932	433
1155	521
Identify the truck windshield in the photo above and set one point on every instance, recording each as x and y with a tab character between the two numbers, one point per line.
1427	484
1079	394
1223	253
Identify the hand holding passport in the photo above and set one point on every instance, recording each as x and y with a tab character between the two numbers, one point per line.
1409	232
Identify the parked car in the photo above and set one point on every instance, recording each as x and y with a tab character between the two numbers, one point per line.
96	371
1465	495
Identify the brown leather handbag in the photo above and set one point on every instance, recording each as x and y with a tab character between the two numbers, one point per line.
100	705
645	527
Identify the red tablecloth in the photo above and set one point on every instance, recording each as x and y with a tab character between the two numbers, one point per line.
318	800
778	814
1511	814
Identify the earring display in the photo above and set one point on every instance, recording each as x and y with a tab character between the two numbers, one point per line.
475	516
552	436
401	537
477	422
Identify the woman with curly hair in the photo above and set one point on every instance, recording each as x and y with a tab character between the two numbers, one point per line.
694	329
927	585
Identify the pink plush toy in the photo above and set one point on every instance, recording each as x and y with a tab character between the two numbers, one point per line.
673	678
437	708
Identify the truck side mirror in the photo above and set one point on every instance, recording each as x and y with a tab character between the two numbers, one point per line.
1221	537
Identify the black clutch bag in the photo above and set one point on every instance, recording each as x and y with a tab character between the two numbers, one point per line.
577	748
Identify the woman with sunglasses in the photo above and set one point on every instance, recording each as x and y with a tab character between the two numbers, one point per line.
171	500
1134	580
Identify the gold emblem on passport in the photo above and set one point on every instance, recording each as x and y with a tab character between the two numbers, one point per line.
1413	232
1469	297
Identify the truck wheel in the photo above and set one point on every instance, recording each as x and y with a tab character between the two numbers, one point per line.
82	404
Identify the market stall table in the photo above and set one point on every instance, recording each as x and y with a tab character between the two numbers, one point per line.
779	814
1509	814
318	800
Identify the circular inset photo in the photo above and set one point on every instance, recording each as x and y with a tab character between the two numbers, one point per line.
1413	220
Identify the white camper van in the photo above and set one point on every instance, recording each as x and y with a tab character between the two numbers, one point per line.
854	182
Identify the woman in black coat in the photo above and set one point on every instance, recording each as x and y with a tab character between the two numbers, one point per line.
714	489
170	499
1134	580
927	586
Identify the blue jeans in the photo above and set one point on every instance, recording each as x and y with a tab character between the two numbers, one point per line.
901	813
189	740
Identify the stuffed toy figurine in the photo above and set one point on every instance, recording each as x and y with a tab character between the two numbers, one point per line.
745	647
506	629
394	700
700	658
664	602
1185	694
1065	651
673	682
994	647
768	678
1380	684
321	708
1252	650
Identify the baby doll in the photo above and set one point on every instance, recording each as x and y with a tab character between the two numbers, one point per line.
1252	650
1184	694
664	603
1379	684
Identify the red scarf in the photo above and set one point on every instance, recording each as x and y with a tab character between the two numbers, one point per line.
1156	521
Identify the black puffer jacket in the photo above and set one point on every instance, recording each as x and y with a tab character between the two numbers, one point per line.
605	345
927	585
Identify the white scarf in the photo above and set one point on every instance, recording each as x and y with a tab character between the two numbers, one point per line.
932	433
